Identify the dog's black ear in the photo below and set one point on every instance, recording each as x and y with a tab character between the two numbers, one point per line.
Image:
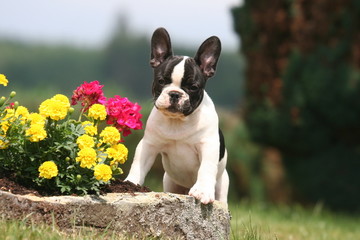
160	47
208	55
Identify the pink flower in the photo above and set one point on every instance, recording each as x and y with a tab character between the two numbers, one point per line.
11	106
123	114
88	94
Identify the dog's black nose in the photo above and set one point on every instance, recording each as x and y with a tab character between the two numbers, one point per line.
174	96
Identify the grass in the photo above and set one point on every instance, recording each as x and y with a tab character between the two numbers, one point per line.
23	230
264	222
249	222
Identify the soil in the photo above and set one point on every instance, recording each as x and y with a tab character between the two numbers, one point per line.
117	186
120	186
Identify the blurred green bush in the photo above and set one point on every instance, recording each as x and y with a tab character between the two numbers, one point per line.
303	92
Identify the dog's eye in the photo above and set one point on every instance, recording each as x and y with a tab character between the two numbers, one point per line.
194	88
161	81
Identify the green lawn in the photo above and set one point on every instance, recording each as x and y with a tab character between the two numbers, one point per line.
249	222
255	222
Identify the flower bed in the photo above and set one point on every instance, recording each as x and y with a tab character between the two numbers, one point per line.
7	184
54	153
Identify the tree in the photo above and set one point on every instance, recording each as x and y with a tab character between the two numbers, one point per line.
303	91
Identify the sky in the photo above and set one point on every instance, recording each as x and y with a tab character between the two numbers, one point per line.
90	23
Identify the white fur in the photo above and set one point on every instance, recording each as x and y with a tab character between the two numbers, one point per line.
190	153
178	73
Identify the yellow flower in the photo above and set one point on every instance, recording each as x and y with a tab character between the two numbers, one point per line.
110	135
36	132
7	119
36	118
118	153
64	100
22	113
10	113
97	112
4	143
85	141
89	128
3	80
102	172
4	127
48	170
56	108
86	157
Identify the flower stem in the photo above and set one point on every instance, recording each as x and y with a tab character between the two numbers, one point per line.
82	112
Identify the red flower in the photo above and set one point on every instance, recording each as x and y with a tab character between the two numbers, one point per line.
88	94
11	106
123	114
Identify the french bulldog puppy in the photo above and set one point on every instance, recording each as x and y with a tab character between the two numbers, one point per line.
183	125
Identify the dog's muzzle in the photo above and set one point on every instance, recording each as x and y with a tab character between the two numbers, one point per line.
175	96
173	101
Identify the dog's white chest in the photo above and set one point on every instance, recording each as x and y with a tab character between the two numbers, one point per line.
181	162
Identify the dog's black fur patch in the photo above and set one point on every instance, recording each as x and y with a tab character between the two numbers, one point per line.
222	145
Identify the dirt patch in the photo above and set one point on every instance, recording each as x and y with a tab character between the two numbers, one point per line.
8	184
120	186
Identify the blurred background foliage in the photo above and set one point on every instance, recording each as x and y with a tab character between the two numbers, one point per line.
302	93
123	63
288	101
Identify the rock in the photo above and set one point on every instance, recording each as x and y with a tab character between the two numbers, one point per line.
140	215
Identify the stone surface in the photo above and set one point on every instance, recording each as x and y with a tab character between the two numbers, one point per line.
141	214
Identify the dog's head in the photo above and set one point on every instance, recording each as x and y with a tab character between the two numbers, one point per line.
179	81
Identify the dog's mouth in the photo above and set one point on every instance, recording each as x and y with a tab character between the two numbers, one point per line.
175	109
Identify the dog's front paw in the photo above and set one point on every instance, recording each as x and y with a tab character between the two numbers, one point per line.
134	180
204	193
